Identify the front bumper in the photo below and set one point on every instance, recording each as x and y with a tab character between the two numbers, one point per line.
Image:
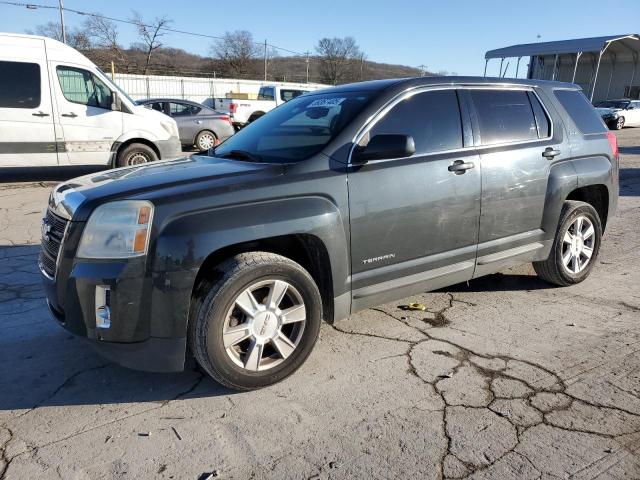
170	149
139	336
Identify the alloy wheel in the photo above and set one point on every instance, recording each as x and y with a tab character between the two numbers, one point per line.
137	158
264	326
578	244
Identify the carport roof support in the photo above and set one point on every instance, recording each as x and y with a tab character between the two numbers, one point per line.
561	47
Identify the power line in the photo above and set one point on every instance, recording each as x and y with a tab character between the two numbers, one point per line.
129	22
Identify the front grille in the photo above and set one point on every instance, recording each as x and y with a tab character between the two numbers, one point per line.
53	229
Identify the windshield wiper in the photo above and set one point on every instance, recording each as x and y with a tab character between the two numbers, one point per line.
242	154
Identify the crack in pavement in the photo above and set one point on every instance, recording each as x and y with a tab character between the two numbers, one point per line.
549	383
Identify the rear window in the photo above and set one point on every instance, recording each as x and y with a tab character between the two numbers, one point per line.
19	85
581	111
504	116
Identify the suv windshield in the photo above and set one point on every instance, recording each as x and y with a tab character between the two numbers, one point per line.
612	104
295	130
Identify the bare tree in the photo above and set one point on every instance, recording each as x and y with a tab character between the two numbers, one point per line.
237	52
103	34
77	39
150	35
337	58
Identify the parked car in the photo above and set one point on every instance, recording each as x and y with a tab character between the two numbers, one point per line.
58	108
197	125
620	113
334	202
243	111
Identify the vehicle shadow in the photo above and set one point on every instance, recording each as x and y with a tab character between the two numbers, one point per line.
500	282
635	150
41	364
45	174
630	182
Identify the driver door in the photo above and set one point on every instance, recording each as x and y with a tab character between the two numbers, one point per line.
89	125
414	221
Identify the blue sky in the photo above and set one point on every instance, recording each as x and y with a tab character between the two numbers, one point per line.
444	35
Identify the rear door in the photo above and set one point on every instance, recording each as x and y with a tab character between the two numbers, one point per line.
512	130
185	116
27	132
89	125
414	221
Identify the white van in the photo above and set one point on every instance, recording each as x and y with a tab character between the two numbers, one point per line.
58	108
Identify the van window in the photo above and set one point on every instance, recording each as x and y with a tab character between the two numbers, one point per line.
83	87
286	95
19	85
267	93
581	111
504	116
431	118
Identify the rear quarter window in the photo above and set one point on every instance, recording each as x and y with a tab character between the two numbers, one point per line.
581	111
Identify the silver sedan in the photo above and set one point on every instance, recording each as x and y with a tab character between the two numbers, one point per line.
197	125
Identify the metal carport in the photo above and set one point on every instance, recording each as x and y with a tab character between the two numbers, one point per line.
580	61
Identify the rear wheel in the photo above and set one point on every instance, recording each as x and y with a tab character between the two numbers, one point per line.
257	322
135	154
575	247
206	140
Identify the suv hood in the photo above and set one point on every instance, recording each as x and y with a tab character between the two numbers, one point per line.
76	198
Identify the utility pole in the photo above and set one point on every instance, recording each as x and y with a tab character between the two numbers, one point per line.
64	31
307	60
422	69
265	59
361	64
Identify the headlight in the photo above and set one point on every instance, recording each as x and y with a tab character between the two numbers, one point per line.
117	230
171	128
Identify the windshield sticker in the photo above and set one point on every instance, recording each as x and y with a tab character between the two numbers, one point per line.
326	102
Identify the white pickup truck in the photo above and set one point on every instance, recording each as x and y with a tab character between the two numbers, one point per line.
244	111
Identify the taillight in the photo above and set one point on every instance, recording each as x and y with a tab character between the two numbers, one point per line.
233	107
225	118
613	143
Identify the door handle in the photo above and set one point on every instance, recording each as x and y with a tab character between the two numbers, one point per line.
459	167
40	114
70	115
549	153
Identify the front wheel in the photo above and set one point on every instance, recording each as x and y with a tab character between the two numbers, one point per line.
618	124
256	322
135	154
575	247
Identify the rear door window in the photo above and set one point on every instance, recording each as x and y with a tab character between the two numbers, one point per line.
19	85
581	111
542	121
504	116
431	118
267	93
183	109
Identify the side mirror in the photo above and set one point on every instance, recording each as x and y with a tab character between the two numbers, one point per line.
116	103
385	146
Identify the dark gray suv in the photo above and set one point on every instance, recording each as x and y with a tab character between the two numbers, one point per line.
333	202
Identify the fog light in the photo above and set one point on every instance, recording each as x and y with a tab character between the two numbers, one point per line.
103	314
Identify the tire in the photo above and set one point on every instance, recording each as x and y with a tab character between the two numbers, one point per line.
254	116
215	309
555	269
618	124
135	154
205	140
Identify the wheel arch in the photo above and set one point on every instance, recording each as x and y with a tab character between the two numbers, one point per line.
596	195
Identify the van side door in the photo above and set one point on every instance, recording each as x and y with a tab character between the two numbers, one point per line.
27	131
89	124
414	221
518	144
